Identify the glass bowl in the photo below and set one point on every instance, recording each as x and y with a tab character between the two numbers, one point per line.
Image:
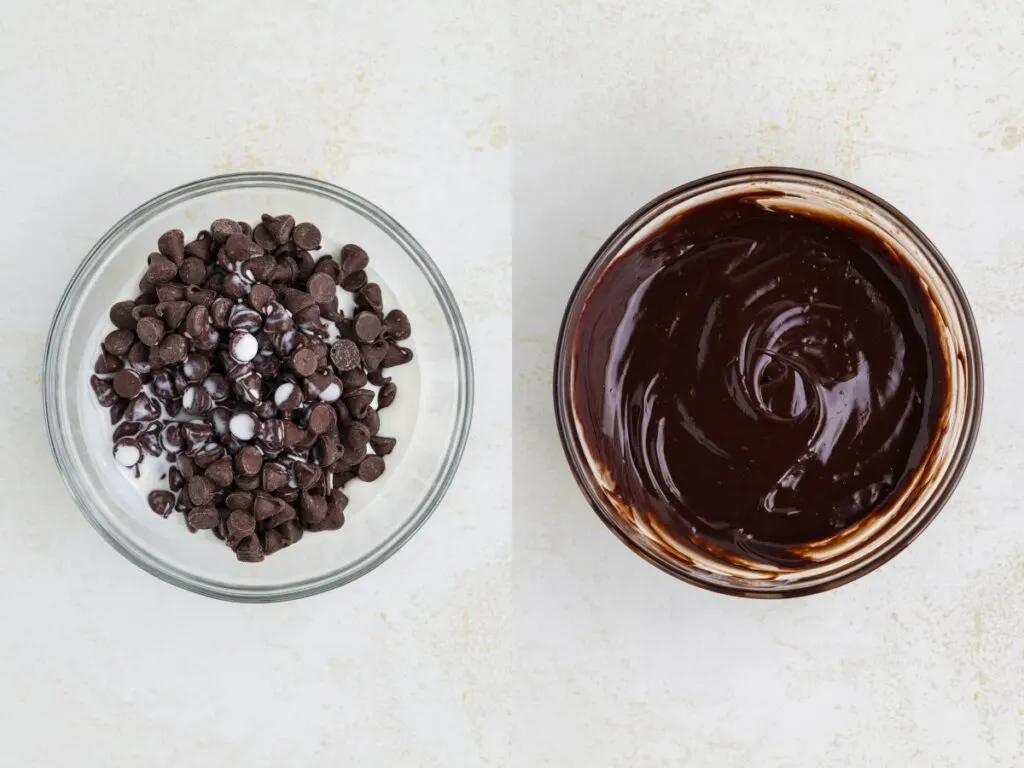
430	418
863	547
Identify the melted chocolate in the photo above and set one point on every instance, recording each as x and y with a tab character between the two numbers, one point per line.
755	380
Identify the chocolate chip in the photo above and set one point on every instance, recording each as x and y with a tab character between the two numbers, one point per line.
264	506
172	313
278	320
203	518
173	349
369	298
356	435
249	550
207	343
328	266
200	491
306	236
374	354
196	368
220	473
245	319
321	288
321	418
396	355
240	523
306	475
305	263
367	326
150	331
195	434
239	500
247	482
353	259
243	346
127	452
372	421
200	247
197	321
337	502
345	355
118	342
196	400
172	439
285	513
291	532
386	395
121	315
270	435
263	238
327	451
151	440
358	400
354	379
118	410
208	455
138	357
353	281
104	391
161	270
382	446
280	228
295	301
172	245
275	476
303	362
261	296
170	292
217	385
127	384
312	509
341	478
144	309
174	479
371	468
396	325
142	408
273	542
222	229
192	271
249	388
234	287
161	502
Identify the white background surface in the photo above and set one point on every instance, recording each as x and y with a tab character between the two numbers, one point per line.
918	664
103	105
582	653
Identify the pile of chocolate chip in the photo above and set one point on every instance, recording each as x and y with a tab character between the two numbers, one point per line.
236	365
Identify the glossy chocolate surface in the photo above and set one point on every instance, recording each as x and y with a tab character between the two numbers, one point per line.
754	380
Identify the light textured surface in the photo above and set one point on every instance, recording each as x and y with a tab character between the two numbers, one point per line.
107	104
920	663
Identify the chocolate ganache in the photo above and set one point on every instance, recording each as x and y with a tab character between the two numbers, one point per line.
753	380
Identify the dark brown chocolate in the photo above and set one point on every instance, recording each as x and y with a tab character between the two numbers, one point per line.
754	380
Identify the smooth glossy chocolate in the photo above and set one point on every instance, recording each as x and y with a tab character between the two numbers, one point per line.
755	380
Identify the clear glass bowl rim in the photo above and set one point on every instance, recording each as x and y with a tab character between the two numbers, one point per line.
718	181
53	407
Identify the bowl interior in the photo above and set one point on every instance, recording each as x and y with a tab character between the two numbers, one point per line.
872	542
429	417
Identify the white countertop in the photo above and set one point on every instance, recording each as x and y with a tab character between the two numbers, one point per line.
571	651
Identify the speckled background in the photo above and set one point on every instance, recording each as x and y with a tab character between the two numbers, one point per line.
510	138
